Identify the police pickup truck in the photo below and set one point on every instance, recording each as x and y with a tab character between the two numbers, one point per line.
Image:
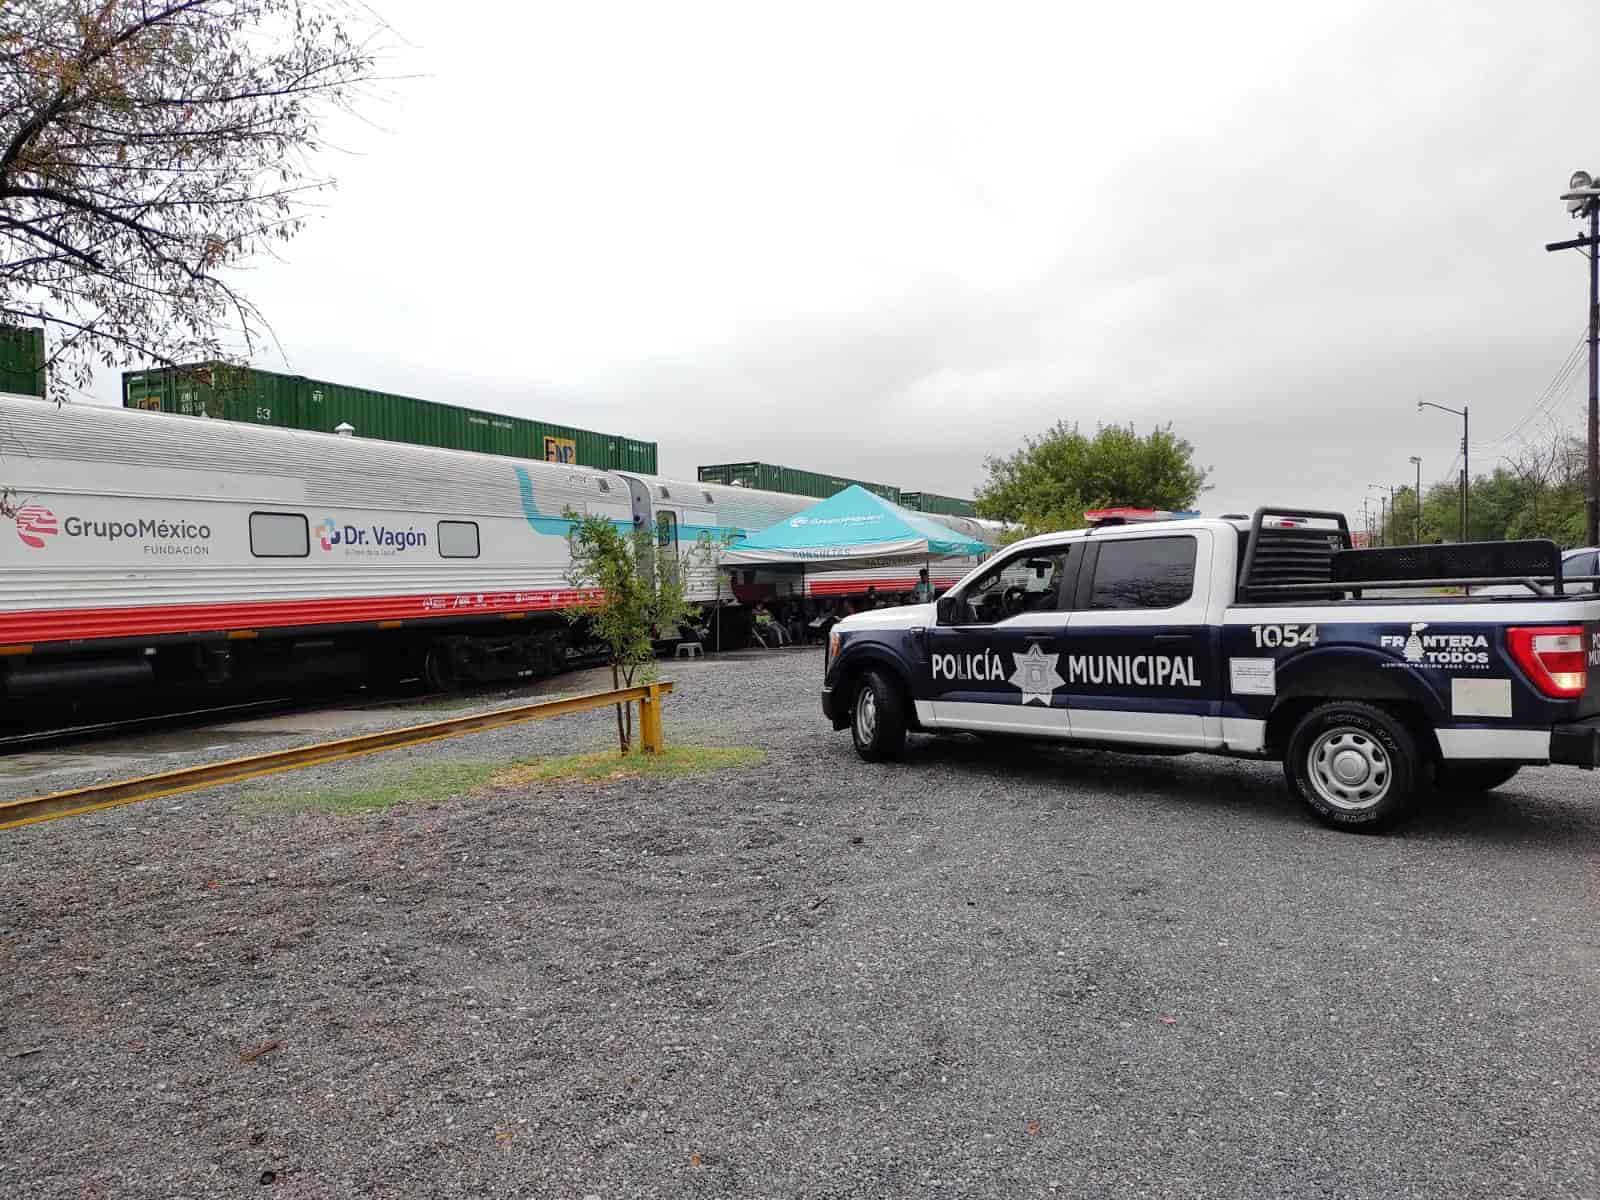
1260	637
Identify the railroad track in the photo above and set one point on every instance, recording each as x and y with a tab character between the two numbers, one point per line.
189	718
33	810
41	739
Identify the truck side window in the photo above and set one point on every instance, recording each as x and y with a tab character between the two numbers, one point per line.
1155	572
1028	582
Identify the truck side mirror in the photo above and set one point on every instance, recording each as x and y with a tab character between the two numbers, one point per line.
946	609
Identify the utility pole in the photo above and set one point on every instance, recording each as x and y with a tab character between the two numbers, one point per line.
1466	477
1416	516
1583	200
1385	494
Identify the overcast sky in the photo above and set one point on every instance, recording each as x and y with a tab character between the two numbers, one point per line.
887	240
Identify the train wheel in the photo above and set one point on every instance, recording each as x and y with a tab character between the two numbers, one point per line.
558	653
439	669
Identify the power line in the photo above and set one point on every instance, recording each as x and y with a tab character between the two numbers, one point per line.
1552	393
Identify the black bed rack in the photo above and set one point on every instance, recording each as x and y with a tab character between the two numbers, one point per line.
1300	560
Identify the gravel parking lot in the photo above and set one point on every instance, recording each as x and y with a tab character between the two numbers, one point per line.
985	972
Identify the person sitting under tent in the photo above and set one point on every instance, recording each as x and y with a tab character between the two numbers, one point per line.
767	630
794	622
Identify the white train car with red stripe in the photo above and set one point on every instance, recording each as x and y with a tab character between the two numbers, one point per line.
160	550
169	549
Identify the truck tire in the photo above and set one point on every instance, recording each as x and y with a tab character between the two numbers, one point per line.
1448	778
878	719
1355	766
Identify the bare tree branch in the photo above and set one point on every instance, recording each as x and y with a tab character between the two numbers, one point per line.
147	150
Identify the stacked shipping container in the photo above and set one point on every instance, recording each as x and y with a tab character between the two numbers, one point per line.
932	502
21	361
258	397
767	477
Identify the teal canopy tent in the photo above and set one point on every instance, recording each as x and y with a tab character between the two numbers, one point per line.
854	528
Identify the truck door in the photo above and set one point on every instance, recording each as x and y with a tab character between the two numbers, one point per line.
992	658
1140	659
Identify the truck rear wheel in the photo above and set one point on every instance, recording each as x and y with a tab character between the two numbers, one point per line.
1356	766
1449	778
878	719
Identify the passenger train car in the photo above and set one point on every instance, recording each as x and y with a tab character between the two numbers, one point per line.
175	550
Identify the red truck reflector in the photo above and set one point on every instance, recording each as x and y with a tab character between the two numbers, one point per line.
1553	658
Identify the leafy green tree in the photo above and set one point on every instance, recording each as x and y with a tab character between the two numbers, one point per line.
638	593
1049	482
1535	492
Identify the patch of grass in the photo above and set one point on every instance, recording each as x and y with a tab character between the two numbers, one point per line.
445	780
428	782
606	765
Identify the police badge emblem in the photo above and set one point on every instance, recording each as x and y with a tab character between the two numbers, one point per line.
1036	675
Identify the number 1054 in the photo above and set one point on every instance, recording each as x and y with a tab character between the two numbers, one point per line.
1271	637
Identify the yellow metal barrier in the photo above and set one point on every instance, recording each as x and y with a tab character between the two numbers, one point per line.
31	811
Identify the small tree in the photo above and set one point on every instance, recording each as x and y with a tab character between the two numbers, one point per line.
640	591
148	148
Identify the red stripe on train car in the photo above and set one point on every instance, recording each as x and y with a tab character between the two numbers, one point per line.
77	624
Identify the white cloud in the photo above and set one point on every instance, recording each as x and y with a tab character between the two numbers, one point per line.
885	240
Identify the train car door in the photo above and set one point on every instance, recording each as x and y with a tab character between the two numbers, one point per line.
639	493
667	532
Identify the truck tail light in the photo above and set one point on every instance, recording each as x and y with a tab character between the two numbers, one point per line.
1553	658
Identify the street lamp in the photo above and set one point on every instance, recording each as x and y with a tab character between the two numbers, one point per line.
1583	200
1385	494
1466	473
1416	523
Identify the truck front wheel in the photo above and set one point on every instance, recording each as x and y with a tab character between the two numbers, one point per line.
878	719
1356	766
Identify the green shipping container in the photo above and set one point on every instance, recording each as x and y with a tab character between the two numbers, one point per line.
932	502
767	477
21	361
232	393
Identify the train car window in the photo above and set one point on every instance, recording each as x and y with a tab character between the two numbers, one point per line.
665	495
458	539
707	495
279	535
666	529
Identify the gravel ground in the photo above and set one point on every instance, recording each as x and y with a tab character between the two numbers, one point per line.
981	973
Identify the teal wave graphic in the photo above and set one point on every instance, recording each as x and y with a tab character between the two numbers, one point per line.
551	526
